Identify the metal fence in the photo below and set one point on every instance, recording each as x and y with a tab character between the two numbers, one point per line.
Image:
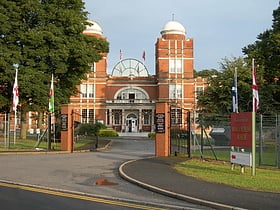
269	140
210	137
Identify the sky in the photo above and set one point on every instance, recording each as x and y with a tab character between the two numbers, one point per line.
220	28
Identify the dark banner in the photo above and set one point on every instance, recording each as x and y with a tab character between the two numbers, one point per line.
160	122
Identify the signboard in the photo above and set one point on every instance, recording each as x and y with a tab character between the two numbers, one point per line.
241	129
241	158
160	122
64	122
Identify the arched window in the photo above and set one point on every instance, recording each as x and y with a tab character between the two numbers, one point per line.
130	68
131	94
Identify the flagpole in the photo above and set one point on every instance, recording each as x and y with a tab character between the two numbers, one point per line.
5	129
235	80
120	54
15	129
15	101
254	102
51	114
234	92
253	123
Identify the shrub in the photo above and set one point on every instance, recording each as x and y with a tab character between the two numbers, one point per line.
89	129
152	135
108	133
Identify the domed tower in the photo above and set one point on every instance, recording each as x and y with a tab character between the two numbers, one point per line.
174	66
173	30
89	103
93	29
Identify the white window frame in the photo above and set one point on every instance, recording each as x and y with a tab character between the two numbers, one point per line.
175	91
175	65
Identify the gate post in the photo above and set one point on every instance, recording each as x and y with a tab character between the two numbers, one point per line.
67	128
162	147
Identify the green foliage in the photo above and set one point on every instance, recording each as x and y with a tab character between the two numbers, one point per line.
217	98
44	37
266	51
107	133
152	135
89	129
206	73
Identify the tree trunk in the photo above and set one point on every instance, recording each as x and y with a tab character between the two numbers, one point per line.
40	120
96	143
23	127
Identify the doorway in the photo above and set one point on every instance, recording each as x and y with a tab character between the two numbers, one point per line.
131	123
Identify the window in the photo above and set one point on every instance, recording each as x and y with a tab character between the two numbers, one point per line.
92	67
199	91
131	94
90	116
175	65
146	116
90	91
117	116
84	115
131	68
176	116
84	90
87	90
131	97
175	91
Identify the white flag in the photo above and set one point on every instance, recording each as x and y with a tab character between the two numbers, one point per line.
15	93
255	89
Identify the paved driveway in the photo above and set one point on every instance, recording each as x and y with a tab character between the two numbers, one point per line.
80	171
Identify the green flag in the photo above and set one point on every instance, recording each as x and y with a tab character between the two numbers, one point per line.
51	99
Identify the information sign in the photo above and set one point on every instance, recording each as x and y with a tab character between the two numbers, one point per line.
64	122
241	129
160	122
241	158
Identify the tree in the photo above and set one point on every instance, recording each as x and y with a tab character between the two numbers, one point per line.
45	37
206	73
90	129
217	98
266	52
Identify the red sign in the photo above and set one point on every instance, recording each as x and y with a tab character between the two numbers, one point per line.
241	129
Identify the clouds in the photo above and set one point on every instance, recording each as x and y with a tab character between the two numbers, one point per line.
220	28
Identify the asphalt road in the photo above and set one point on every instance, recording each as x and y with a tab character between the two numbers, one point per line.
79	172
14	199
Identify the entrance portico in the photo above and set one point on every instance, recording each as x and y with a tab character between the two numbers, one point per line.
128	119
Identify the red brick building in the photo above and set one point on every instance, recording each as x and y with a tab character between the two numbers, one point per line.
125	99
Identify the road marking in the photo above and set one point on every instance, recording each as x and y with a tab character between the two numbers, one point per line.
81	197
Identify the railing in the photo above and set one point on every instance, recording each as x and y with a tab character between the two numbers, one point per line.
130	101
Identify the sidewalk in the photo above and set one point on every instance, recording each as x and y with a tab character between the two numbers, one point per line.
157	174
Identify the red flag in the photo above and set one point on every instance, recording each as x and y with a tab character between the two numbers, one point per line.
15	93
255	89
144	55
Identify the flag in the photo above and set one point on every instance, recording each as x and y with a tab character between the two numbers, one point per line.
15	92
51	97
144	55
255	88
120	54
234	93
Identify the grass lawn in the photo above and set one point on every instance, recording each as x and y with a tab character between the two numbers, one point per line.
220	172
29	145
